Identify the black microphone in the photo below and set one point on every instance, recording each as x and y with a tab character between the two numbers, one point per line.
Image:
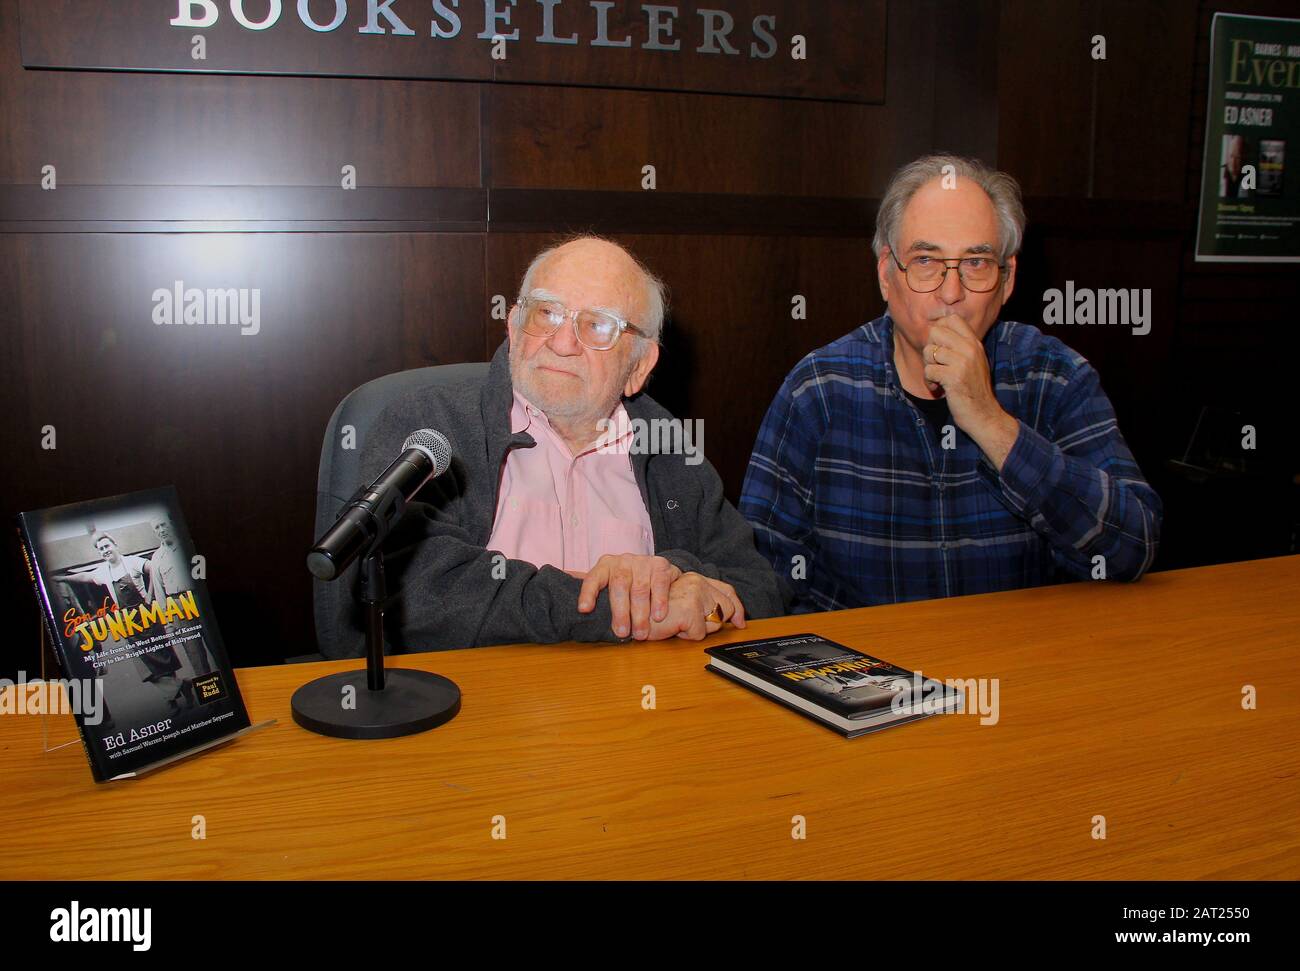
370	513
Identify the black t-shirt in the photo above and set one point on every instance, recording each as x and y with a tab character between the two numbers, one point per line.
935	410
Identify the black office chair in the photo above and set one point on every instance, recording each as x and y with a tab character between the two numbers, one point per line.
339	477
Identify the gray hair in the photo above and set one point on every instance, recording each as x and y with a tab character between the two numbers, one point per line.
1003	191
656	293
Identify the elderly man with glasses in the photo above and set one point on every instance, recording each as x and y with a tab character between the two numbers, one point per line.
940	450
561	519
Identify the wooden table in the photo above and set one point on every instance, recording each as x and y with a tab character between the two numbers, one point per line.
1122	701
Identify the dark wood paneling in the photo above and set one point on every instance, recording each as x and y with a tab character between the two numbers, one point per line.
112	208
1045	85
965	68
1143	98
1109	218
158	129
1073	126
239	208
93	34
234	421
545	137
573	210
549	138
845	44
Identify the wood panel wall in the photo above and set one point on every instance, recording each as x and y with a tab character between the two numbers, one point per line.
233	181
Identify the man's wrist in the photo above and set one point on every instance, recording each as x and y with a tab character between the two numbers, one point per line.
997	437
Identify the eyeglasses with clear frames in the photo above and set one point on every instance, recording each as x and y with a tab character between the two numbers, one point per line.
594	328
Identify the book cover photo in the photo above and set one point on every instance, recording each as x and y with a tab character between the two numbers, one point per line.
127	611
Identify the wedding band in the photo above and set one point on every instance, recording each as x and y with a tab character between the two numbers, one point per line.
715	615
934	354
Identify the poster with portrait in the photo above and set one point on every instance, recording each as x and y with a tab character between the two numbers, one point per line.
1250	189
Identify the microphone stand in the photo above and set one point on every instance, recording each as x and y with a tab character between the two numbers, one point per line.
375	703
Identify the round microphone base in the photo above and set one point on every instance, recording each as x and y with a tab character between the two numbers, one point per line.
410	702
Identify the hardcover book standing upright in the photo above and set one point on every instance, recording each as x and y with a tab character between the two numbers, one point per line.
133	629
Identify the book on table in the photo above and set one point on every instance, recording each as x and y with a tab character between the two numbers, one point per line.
842	688
126	608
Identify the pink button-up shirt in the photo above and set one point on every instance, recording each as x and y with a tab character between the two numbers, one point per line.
567	511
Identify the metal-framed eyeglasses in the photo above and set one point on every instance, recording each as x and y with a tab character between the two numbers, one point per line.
925	274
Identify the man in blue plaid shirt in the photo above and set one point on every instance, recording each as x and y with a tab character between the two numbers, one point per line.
938	450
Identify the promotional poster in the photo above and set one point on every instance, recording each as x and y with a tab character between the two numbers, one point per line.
1249	209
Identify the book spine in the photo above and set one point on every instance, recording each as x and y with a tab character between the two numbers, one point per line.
42	595
51	623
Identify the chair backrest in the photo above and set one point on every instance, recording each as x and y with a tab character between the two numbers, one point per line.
338	476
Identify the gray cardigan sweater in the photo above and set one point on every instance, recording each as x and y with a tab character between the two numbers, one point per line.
442	591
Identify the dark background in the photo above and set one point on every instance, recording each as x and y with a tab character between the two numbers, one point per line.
233	181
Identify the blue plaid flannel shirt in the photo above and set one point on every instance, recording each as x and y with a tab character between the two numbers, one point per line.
846	475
